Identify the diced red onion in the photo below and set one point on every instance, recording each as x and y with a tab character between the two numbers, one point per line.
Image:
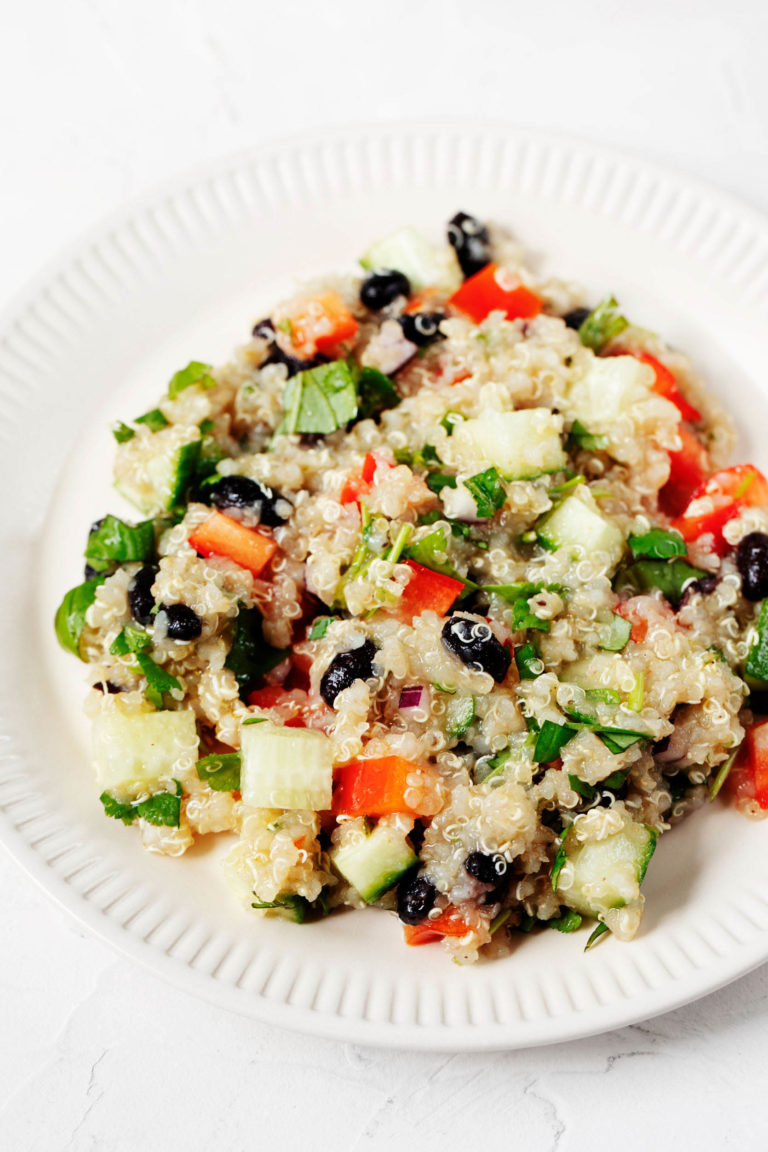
411	697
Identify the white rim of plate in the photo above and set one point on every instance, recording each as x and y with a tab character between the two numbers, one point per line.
54	311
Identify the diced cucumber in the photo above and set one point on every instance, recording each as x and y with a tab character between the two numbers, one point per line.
605	874
409	252
459	714
577	524
600	670
154	473
286	767
609	388
520	444
374	863
137	752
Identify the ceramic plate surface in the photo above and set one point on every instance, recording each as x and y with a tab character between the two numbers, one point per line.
183	274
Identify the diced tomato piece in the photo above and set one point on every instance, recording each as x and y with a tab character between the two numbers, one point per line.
369	468
748	779
427	590
688	468
274	696
375	787
492	289
220	535
665	384
320	324
718	500
448	923
356	487
639	623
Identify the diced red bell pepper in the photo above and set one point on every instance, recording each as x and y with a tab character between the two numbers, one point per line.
320	324
492	289
356	487
448	923
220	535
427	590
748	779
689	467
639	623
665	384
376	787
718	500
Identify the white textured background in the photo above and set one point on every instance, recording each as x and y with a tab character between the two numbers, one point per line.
101	99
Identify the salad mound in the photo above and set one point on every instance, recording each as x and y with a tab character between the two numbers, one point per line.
442	600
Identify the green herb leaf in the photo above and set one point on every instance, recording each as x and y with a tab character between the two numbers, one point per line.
523	590
560	858
153	419
195	373
459	715
567	485
588	791
529	662
523	619
69	620
164	808
580	438
319	627
618	634
671	577
487	491
603	324
130	641
615	739
447	688
657	544
221	770
458	528
118	811
499	921
158	680
432	552
616	780
450	420
320	399
115	542
567	921
206	427
756	664
603	695
551	738
598	932
293	907
376	393
250	656
121	432
722	775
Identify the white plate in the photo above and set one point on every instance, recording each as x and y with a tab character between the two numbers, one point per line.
183	274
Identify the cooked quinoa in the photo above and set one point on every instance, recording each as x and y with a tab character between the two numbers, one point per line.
443	602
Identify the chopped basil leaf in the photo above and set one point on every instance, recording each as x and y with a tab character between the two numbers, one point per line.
195	373
487	491
320	399
376	393
130	641
615	739
551	738
153	419
158	680
221	771
611	783
529	662
580	438
618	634
588	791
756	665
603	695
657	544
458	528
122	432
319	627
523	619
294	907
521	590
114	541
163	809
250	656
436	481
206	427
616	780
602	325
560	858
431	552
567	921
598	932
671	577
69	620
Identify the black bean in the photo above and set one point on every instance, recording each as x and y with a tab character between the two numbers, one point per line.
242	492
475	645
89	573
345	669
576	317
181	621
383	286
469	239
487	869
421	328
752	563
266	330
140	598
415	898
704	585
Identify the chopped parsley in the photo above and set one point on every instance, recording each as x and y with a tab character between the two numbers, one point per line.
162	809
487	491
602	325
195	373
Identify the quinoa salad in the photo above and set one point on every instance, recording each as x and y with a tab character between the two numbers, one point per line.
440	598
